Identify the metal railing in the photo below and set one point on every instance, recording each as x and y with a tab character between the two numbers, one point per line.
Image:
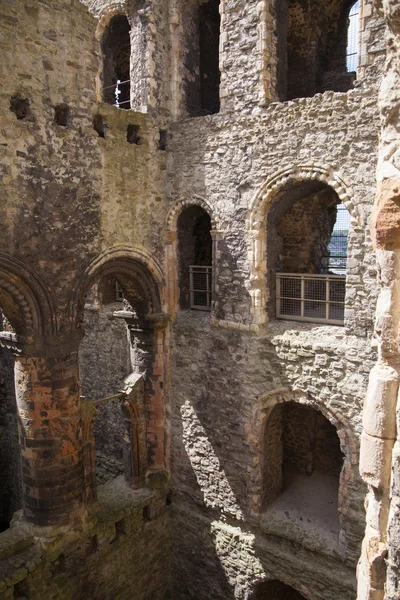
117	92
313	298
200	287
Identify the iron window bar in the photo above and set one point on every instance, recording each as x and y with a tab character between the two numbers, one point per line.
118	92
200	287
310	298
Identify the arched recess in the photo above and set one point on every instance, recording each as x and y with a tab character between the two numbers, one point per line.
311	48
126	262
25	301
137	18
172	252
195	33
141	282
274	589
180	204
345	434
28	307
257	216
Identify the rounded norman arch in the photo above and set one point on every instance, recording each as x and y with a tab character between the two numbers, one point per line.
25	299
134	263
297	174
347	441
107	14
257	593
179	205
348	444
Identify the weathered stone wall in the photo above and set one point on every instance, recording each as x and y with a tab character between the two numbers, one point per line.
121	550
220	392
378	571
229	162
80	200
67	175
220	378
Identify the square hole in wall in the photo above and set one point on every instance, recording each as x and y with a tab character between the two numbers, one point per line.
120	530
21	591
163	140
94	545
59	565
20	107
62	115
99	126
132	134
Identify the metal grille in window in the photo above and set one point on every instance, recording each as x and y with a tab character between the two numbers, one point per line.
118	91
352	38
200	287
314	298
338	245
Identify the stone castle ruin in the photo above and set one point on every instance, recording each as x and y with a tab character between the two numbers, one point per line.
199	300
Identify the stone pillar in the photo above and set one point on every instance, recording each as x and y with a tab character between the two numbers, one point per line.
172	271
216	261
50	429
149	358
89	413
378	570
155	389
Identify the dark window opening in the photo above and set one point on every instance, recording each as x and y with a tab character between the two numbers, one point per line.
61	115
209	57
195	258
321	47
146	513
202	61
20	107
116	48
302	464
308	233
275	590
132	134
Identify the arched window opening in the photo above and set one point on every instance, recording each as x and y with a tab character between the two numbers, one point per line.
275	590
316	47
307	234
195	258
202	61
209	57
116	49
302	463
352	38
10	469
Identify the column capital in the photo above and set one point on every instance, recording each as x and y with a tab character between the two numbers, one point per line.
159	320
41	346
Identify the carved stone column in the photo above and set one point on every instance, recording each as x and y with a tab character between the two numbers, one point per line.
89	413
50	430
378	571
